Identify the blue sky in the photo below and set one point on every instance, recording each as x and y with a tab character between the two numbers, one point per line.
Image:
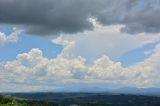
137	55
50	50
108	44
26	42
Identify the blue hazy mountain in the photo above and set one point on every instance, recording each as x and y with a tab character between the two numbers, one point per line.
123	90
140	91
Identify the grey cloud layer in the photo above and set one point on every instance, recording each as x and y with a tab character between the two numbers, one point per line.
43	17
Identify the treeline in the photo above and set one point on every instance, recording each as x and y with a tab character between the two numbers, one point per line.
96	100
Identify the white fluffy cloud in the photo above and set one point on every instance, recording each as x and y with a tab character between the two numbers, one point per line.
105	41
33	69
13	37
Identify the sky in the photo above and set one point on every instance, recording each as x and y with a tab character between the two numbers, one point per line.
54	45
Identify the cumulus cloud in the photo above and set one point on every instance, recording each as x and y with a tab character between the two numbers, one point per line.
13	37
106	40
33	69
43	17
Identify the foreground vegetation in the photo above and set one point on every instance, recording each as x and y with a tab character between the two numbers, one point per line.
9	101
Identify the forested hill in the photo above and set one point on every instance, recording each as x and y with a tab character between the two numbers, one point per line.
77	99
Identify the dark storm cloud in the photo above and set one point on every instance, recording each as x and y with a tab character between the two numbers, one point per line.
44	17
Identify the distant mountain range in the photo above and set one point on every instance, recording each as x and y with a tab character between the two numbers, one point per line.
124	90
140	91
